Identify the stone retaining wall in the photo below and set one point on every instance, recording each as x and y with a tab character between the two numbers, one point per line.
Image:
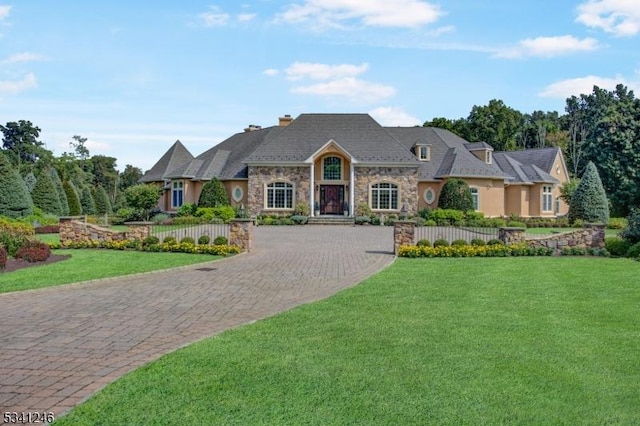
591	236
73	230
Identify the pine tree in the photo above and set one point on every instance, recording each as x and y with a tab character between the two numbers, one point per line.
30	181
456	195
45	195
213	194
15	200
87	201
589	201
75	208
61	194
103	206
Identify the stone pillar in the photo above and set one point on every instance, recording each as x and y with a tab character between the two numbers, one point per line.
403	234
597	231
138	230
241	234
511	235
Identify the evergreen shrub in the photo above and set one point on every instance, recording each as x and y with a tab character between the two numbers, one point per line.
220	241
589	200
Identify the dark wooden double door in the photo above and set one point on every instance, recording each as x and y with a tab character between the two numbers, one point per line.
331	199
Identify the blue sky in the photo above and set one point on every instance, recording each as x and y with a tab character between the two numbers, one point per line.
134	76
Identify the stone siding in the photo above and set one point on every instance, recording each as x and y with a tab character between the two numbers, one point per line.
405	177
241	234
263	175
403	234
72	230
591	236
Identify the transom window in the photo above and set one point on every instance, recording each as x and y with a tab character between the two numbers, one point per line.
177	191
384	196
332	168
547	199
475	198
279	195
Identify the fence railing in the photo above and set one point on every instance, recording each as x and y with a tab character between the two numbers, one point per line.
194	231
452	233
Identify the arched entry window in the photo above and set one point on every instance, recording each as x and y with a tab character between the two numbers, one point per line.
332	168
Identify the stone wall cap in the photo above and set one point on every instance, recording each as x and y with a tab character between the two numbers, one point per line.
513	228
405	221
241	219
138	223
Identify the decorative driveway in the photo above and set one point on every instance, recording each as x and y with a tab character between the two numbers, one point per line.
60	345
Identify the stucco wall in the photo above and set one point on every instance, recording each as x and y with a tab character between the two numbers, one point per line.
490	196
231	185
404	177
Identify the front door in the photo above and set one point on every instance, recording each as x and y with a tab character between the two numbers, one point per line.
331	199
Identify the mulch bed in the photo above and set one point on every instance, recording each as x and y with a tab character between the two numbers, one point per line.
15	264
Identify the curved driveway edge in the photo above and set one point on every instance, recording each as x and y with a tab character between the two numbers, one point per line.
59	345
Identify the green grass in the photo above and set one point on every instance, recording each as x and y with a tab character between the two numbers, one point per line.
429	341
93	264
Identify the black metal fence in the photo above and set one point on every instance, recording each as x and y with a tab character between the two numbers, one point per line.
452	233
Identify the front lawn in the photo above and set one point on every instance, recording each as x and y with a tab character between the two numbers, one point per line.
427	341
93	264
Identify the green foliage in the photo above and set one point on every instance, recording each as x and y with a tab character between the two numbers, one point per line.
478	242
455	195
103	205
616	246
150	240
213	194
423	243
129	177
15	200
14	234
589	201
459	242
20	140
634	251
301	209
617	223
567	189
494	242
361	220
632	231
187	240
169	240
441	242
75	207
220	241
142	197
30	181
87	201
225	213
516	224
363	209
204	239
300	219
64	202
496	124
187	209
45	196
160	218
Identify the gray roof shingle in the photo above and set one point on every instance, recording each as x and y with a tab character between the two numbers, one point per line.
175	157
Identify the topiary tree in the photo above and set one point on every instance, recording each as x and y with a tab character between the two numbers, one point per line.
589	201
45	195
103	206
64	202
142	197
455	195
15	200
213	194
75	208
87	202
30	181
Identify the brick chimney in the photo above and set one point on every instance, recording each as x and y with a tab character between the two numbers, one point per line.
285	121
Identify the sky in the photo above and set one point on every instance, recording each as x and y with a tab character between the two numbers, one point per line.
135	76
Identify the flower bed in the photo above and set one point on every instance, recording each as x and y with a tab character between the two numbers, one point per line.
493	250
174	247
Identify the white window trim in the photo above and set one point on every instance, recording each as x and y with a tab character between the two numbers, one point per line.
233	193
477	197
488	157
419	152
549	196
324	178
266	198
433	198
397	209
180	188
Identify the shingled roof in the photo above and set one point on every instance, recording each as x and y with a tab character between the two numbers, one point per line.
528	166
175	156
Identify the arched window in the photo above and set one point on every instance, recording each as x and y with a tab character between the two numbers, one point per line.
332	168
475	197
279	195
384	196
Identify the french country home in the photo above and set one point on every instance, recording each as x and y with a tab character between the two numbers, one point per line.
336	162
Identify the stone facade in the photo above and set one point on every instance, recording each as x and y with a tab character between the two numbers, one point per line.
241	234
73	230
403	234
260	176
405	177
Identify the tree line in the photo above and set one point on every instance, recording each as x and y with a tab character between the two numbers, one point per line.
602	127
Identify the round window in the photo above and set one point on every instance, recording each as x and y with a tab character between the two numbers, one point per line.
238	193
429	196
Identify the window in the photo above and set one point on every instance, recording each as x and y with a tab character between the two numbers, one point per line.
237	194
547	199
487	157
279	195
475	197
384	196
424	152
177	190
429	196
332	168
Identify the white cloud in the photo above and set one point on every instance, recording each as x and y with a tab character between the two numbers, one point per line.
619	17
377	13
15	87
4	11
315	71
393	116
246	17
22	57
584	85
548	47
271	72
214	17
348	87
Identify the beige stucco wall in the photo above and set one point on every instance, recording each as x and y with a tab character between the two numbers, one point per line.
231	185
404	177
517	200
259	176
422	188
490	196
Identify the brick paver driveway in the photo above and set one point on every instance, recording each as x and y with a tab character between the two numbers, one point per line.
61	344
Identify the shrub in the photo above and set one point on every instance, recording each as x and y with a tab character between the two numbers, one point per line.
87	201
103	205
430	222
573	251
459	242
220	241
595	251
420	221
634	251
516	224
15	200
64	201
225	213
204	239
75	208
14	235
169	240
187	240
495	242
34	251
441	242
617	223
631	232
142	197
186	209
363	209
162	218
300	219
301	209
47	229
150	240
286	221
361	220
589	200
617	246
478	242
456	195
3	257
423	243
445	217
578	223
213	194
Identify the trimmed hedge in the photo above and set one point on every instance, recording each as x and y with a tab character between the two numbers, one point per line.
493	250
171	246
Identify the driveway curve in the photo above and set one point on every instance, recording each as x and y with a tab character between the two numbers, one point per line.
59	345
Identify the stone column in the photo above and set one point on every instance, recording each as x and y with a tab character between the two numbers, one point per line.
511	235
597	231
138	230
241	234
403	234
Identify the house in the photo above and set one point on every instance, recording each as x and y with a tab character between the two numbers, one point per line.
336	162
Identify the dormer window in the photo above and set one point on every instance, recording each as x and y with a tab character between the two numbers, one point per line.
423	152
487	157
